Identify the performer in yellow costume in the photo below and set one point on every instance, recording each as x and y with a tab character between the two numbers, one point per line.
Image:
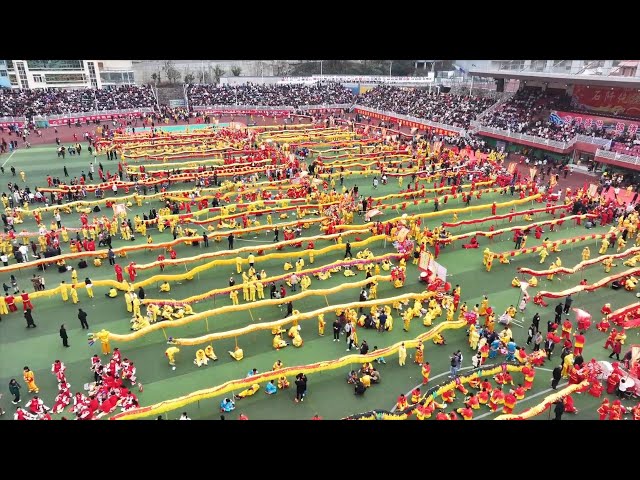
321	324
247	392
278	342
30	380
237	354
201	358
103	336
171	355
63	291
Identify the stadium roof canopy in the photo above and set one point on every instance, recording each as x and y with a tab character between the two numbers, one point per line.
569	79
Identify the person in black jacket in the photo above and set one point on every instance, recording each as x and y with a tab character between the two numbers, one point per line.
567	304
559	308
536	321
289	309
29	318
63	336
559	409
347	251
336	330
141	293
557	375
549	345
14	388
300	388
82	316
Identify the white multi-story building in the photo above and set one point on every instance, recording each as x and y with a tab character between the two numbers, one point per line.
4	75
116	72
54	73
68	74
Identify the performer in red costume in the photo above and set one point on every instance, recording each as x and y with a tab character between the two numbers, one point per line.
569	407
604	325
509	402
131	270
496	399
26	301
118	270
578	344
448	396
616	410
603	409
483	397
567	327
611	340
520	392
460	387
58	368
472	402
466	412
503	378
529	374
612	382
442	416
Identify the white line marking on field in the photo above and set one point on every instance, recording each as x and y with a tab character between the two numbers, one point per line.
5	162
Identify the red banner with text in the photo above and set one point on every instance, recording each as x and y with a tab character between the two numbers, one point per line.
65	120
607	101
588	121
406	123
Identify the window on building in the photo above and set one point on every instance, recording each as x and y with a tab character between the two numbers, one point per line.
38	78
55	64
92	74
23	75
3	73
13	79
53	78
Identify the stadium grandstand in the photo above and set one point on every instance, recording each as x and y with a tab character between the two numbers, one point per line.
583	112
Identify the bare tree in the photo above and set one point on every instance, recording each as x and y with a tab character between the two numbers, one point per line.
217	74
280	68
189	77
173	75
235	71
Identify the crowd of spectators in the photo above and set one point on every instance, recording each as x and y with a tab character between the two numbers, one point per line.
528	112
456	110
269	95
52	101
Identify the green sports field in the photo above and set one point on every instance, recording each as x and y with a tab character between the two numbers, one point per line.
328	394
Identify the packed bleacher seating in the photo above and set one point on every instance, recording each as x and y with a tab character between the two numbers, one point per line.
51	101
269	95
456	110
528	113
